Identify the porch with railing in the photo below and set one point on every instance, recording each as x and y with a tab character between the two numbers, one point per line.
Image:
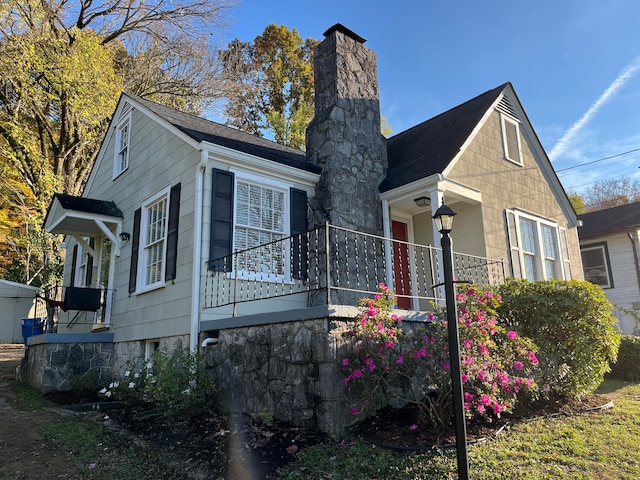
69	306
334	265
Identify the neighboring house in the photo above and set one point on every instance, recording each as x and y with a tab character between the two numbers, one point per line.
609	247
190	229
17	301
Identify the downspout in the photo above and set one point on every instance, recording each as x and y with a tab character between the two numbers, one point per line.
636	262
197	252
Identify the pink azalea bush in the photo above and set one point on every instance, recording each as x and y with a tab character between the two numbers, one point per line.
412	364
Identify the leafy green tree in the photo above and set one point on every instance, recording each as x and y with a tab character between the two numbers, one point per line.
64	65
274	89
577	202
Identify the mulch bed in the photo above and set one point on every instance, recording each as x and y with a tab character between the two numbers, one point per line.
241	446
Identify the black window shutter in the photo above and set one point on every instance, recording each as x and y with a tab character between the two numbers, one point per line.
221	221
74	260
89	273
298	222
172	233
135	246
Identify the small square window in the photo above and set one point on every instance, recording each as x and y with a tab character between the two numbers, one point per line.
595	264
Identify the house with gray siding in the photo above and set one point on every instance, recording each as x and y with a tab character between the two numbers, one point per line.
609	245
199	236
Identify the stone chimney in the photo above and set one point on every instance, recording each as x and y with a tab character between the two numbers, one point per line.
344	137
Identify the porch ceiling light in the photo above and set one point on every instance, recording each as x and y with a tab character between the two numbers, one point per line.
444	218
422	201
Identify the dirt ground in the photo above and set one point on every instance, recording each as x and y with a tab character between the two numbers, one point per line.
24	452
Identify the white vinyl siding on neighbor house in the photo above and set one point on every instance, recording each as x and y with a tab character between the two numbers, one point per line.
121	158
261	213
153	235
538	247
596	265
511	139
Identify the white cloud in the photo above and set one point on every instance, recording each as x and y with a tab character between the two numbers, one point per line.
570	135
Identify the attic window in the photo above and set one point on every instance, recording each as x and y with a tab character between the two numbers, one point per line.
511	139
123	135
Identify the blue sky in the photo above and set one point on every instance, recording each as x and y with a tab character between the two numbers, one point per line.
575	65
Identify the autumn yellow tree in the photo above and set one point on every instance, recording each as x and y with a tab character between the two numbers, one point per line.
63	65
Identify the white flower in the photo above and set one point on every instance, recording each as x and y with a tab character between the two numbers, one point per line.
127	373
111	385
149	365
136	375
116	384
186	391
132	385
103	391
108	394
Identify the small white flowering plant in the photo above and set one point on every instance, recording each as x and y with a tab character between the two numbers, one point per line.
177	382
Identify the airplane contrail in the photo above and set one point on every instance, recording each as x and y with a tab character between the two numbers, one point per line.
565	141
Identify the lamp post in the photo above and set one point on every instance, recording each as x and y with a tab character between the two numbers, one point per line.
444	221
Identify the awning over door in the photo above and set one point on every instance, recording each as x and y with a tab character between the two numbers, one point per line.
84	217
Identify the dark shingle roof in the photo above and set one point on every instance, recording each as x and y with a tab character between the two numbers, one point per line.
429	147
89	205
611	220
203	130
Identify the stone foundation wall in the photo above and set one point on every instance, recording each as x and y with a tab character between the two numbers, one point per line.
63	364
292	370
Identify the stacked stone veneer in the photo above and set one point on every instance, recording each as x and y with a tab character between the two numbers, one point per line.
344	137
67	365
291	370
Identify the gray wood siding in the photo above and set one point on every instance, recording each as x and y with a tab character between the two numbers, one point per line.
505	184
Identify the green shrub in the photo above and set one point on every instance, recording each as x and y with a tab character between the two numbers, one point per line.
572	324
628	365
176	382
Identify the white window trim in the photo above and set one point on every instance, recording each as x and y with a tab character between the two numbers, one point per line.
562	261
117	170
603	247
142	257
240	175
503	120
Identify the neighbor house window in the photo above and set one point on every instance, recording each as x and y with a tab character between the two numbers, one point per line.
537	246
511	139
121	162
595	264
260	222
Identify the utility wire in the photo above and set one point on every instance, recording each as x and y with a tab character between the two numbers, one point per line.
598	160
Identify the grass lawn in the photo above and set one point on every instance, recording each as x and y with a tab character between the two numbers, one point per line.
602	445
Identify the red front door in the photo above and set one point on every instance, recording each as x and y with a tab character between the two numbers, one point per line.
401	272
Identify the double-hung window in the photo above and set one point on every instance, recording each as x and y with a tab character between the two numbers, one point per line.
256	227
538	247
121	160
260	226
596	265
154	249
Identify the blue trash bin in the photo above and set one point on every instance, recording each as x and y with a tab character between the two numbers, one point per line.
31	326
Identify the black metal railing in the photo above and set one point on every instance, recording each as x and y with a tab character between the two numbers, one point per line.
68	306
334	265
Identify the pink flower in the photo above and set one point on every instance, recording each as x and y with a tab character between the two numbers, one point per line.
467	344
389	344
446	366
481	408
354	411
357	374
465	378
512	335
482	375
345	362
468	397
518	365
496	408
413	427
483	349
484	399
400	360
488	294
533	358
92	466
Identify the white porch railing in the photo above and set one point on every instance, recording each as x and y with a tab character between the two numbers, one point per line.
334	265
